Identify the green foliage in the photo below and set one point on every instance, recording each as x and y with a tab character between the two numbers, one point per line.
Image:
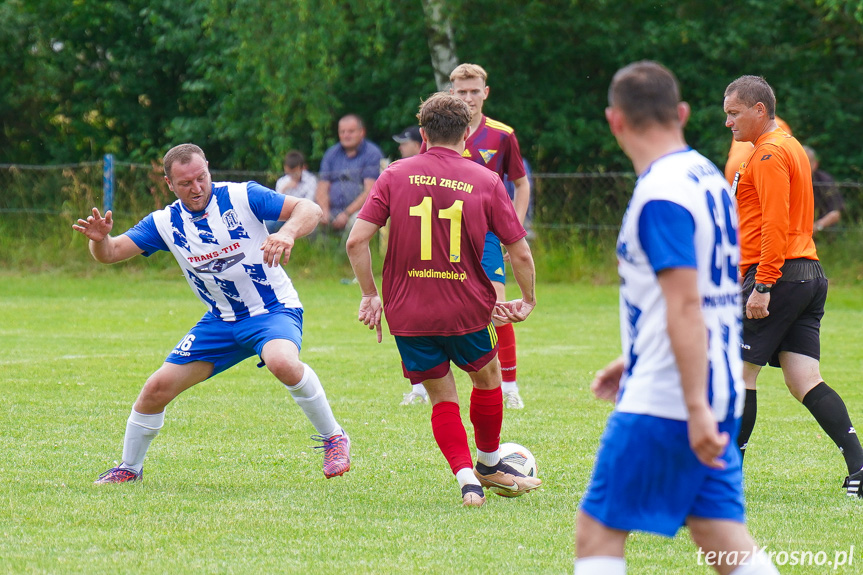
550	64
249	79
102	78
323	60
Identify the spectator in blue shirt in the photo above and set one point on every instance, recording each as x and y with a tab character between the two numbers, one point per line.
348	171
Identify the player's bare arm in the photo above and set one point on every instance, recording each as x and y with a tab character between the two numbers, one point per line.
688	335
105	248
521	203
521	197
301	217
371	307
606	383
525	276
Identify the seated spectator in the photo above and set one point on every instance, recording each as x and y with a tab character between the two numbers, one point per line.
348	171
297	182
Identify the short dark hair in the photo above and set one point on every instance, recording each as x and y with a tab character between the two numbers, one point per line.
751	90
647	93
294	159
356	117
444	118
183	154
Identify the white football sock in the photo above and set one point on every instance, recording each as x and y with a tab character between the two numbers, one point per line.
600	566
508	386
420	389
758	564
488	458
309	395
466	477
141	429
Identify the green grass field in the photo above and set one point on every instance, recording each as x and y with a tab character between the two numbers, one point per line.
232	485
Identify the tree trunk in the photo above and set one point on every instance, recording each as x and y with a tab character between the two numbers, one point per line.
441	43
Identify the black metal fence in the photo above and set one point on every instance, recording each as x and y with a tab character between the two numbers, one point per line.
32	197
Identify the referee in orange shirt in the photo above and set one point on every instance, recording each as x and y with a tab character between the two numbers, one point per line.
784	287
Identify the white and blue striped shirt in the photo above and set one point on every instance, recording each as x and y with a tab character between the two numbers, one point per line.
681	215
219	249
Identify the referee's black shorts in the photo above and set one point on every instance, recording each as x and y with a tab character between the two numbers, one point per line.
794	324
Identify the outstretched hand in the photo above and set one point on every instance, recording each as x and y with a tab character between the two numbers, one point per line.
277	247
513	311
95	227
370	312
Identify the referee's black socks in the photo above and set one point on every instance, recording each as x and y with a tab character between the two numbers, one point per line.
747	422
831	414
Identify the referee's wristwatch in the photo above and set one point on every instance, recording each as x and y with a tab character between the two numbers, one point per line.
763	288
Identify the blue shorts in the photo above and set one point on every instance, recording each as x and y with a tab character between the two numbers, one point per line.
647	478
428	356
227	343
492	259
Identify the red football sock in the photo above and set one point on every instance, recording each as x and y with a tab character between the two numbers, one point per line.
486	414
506	351
450	435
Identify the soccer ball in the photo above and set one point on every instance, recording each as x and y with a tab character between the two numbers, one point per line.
519	458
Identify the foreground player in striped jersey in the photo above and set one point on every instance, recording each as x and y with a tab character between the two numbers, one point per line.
668	456
217	234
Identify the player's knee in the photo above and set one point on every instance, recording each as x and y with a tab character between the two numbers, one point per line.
799	388
288	370
592	538
488	377
714	535
701	535
157	393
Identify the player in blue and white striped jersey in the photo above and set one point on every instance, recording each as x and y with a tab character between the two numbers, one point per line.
668	456
216	232
215	250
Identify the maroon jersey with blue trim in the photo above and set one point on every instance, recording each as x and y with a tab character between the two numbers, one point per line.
440	208
495	146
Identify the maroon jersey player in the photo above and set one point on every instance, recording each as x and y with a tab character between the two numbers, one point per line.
439	302
493	144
